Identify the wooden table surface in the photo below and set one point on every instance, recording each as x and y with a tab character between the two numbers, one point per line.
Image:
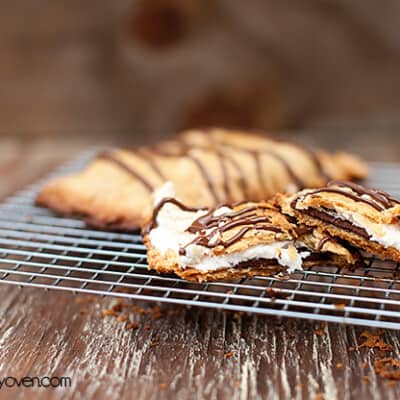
178	353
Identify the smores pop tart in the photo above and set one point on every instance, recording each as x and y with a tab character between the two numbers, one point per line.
232	241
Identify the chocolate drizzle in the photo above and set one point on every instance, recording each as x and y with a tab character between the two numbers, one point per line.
379	196
316	161
153	222
256	154
109	156
242	178
222	150
206	176
322	243
225	184
184	151
257	159
377	199
147	157
209	228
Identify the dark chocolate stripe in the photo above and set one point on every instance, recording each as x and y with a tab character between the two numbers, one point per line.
257	154
242	177
379	196
299	183
349	195
208	220
125	167
257	160
184	151
316	161
322	243
205	240
206	176
246	217
145	156
227	191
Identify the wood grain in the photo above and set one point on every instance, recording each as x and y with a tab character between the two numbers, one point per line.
186	353
181	355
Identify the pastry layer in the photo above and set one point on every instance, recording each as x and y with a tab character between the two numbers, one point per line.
366	218
207	168
229	241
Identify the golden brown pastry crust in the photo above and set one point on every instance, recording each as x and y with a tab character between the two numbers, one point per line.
324	249
317	208
207	168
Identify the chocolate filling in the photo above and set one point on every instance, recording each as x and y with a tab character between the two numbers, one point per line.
336	221
258	262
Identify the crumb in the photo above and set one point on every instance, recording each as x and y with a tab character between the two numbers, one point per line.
321	330
147	327
366	378
229	354
122	318
125	290
163	386
117	307
175	311
237	316
237	384
131	326
157	312
364	365
283	277
374	340
340	306
272	293
140	310
319	396
352	348
391	383
107	313
387	368
84	299
339	365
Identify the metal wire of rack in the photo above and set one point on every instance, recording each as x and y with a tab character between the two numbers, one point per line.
41	249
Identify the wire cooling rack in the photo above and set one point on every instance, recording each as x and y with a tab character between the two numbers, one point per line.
41	249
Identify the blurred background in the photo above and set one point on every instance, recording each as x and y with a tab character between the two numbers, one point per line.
132	71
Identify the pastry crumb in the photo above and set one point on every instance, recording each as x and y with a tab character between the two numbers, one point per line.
131	326
387	368
374	340
157	312
321	330
229	354
108	312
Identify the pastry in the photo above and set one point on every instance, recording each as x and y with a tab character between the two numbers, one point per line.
232	241
207	168
365	218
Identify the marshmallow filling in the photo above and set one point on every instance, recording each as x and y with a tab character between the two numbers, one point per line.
387	235
171	233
